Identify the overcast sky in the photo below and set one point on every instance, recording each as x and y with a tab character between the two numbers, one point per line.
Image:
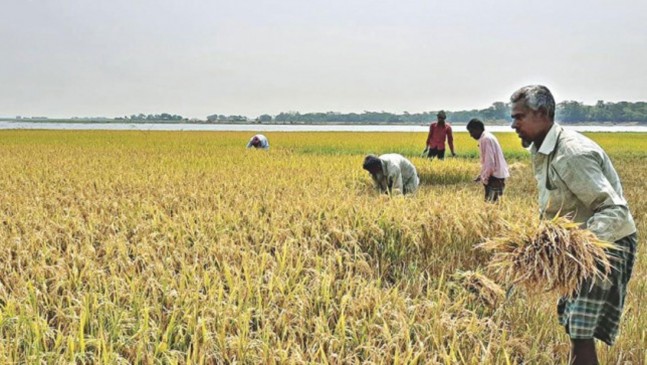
64	58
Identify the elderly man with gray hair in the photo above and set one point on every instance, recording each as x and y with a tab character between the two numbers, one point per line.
392	173
575	177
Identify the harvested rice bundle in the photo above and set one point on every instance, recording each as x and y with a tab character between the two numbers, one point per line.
516	166
481	287
555	255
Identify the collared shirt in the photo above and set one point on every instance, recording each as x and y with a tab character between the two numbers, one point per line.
398	174
437	135
492	161
575	176
263	142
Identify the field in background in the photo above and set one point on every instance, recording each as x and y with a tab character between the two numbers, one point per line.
184	247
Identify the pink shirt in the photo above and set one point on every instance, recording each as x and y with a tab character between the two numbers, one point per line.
437	135
492	160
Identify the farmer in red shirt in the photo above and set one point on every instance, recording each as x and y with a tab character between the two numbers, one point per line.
438	132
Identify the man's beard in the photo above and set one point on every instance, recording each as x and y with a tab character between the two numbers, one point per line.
525	143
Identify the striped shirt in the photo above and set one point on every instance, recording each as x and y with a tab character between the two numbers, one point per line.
492	161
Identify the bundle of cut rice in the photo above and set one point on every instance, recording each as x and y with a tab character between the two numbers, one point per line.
554	255
481	287
516	166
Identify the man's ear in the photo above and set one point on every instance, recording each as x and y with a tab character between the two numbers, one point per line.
543	112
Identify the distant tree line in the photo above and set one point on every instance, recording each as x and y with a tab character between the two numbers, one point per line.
150	117
231	118
577	112
567	112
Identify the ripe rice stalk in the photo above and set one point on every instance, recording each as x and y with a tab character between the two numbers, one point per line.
517	166
554	255
482	287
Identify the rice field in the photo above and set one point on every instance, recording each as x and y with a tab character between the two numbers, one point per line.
127	247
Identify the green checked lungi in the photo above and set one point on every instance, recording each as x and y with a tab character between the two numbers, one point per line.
596	310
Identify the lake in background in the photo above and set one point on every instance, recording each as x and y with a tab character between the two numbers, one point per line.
282	127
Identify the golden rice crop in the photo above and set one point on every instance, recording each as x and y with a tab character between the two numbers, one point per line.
186	248
555	255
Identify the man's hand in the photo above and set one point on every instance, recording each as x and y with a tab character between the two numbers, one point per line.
477	179
425	152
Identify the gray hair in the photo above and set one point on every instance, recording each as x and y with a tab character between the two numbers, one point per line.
537	98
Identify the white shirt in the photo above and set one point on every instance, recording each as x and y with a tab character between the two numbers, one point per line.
575	176
264	143
398	175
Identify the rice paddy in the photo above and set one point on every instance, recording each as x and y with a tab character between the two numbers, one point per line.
186	248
